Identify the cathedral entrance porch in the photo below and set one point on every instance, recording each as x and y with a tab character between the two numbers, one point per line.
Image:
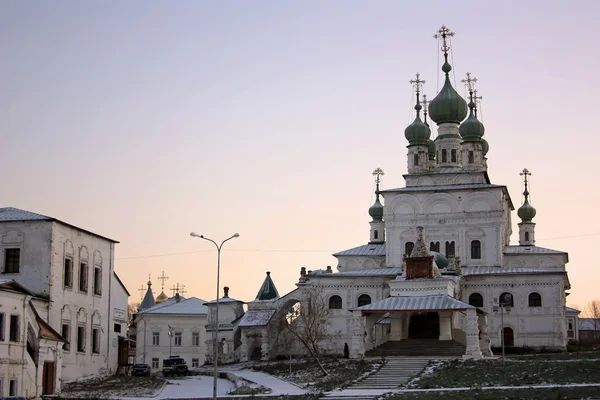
424	326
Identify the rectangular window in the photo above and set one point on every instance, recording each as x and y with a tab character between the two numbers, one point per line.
471	157
1	386
450	249
376	234
155	338
14	328
177	338
444	156
453	155
195	339
66	333
12	259
117	328
81	339
1	332
195	363
570	324
68	278
434	246
97	281
96	341
155	363
416	159
12	387
83	277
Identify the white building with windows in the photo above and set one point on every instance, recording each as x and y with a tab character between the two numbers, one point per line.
174	327
71	271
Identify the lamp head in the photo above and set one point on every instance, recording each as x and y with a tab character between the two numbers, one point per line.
235	235
194	234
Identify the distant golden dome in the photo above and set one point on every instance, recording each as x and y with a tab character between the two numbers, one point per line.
161	297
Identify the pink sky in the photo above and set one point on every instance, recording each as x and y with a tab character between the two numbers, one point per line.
143	122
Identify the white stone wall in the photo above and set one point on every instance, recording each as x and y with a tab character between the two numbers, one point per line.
187	325
118	312
355	263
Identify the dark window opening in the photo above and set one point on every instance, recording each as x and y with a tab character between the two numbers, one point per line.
471	157
12	387
450	249
506	300
453	155
66	333
416	159
376	234
68	272
12	258
437	157
1	329
81	339
527	236
408	248
476	250
98	281
476	300
508	337
434	246
14	328
444	156
535	300
363	300
96	341
335	303
83	277
117	328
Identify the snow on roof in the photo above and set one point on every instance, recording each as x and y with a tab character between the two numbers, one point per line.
435	188
224	300
190	306
8	214
571	309
365	250
362	272
474	271
589	324
416	303
256	318
530	250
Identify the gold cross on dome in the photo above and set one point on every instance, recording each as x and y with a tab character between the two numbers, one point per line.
444	33
476	99
425	103
417	83
142	289
469	82
525	173
378	173
162	278
182	290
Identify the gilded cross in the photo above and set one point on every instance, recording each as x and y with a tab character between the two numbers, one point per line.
425	103
175	289
378	173
162	278
182	291
142	289
469	82
476	99
417	83
444	33
525	173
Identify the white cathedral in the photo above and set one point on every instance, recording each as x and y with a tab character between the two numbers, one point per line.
438	275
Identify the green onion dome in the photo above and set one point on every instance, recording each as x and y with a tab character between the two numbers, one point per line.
485	146
526	212
440	260
447	106
376	210
471	129
418	132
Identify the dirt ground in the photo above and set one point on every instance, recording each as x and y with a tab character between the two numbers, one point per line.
114	386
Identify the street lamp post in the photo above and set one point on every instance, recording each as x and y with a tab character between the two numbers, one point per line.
170	340
506	303
216	324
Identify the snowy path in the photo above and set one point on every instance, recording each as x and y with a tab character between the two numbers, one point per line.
190	387
278	386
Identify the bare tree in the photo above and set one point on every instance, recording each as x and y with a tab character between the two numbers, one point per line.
592	310
309	323
132	308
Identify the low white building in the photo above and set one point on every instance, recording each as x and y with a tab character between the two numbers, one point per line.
30	350
175	327
73	269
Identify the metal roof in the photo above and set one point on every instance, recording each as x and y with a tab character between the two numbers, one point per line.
365	250
256	318
571	309
417	303
589	324
530	250
267	291
8	214
473	271
190	306
435	188
362	272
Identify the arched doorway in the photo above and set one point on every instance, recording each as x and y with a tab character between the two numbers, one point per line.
424	326
509	337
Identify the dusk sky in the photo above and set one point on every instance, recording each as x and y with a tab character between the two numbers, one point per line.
146	120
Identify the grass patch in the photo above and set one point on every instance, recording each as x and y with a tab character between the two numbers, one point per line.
305	373
114	386
250	390
458	373
582	355
524	394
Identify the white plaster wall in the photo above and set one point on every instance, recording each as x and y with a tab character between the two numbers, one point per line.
186	324
118	300
545	261
356	263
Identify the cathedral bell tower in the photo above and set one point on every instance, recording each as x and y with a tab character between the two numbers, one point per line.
376	212
526	212
418	134
471	131
447	110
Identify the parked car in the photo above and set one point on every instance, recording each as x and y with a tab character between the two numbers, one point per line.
141	370
174	365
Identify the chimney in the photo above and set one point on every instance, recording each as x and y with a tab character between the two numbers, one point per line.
226	290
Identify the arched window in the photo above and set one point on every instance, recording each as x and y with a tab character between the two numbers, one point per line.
527	236
475	250
476	300
506	300
535	300
363	300
453	155
509	337
444	155
408	248
416	158
335	303
450	249
471	157
434	246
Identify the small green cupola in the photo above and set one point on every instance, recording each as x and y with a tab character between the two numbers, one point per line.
431	149
447	106
485	146
472	129
376	210
418	132
526	212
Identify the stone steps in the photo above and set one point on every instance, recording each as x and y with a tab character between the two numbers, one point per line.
418	347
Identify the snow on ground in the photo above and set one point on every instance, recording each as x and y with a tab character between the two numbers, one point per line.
189	387
278	386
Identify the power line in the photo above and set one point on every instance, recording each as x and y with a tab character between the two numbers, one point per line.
295	251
